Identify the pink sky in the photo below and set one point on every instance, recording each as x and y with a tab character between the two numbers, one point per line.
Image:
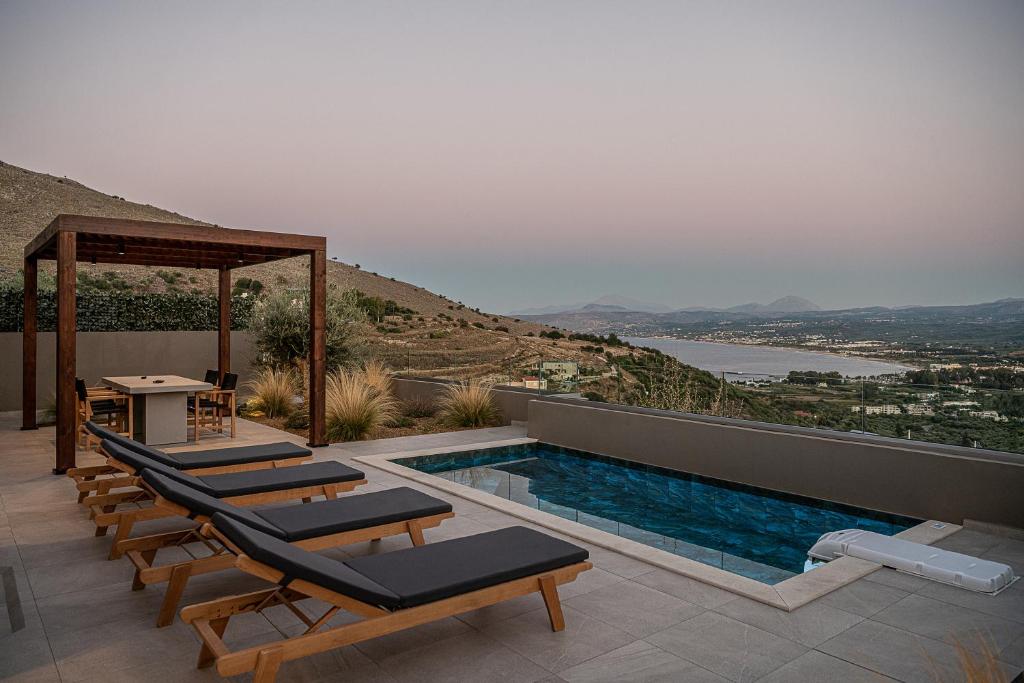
512	154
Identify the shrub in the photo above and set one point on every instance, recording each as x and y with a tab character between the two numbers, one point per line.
299	419
468	405
353	409
280	328
377	376
500	328
479	325
419	407
273	391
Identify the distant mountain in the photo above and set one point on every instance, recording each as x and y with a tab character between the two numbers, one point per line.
607	303
787	304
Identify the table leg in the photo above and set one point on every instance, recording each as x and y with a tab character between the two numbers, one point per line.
165	418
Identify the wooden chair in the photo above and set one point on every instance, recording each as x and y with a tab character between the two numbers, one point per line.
209	408
391	591
316	526
101	403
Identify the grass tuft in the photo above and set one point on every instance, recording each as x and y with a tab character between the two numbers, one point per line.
354	409
468	405
273	392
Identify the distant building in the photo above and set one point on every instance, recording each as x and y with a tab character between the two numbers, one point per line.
944	366
886	409
988	415
559	370
535	383
918	409
962	405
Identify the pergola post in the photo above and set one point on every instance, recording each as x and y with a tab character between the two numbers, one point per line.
28	345
223	322
317	346
66	273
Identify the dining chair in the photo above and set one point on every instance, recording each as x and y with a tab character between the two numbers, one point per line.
211	407
103	403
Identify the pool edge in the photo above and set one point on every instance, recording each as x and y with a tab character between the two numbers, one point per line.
786	595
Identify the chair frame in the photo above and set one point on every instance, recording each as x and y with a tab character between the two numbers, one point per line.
210	619
83	413
104	513
141	551
94	479
215	418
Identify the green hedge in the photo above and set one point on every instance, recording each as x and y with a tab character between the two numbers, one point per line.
127	312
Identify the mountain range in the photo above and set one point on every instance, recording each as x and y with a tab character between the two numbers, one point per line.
612	303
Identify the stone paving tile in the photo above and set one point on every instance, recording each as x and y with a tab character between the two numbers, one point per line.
968	542
637	610
468	657
903	581
950	623
729	648
809	625
584	638
818	666
863	597
686	588
1009	604
899	654
638	662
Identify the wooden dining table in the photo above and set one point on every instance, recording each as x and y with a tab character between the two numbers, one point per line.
159	404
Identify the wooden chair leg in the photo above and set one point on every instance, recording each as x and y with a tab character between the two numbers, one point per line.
175	587
234	415
148	556
206	655
549	589
267	663
415	532
124	529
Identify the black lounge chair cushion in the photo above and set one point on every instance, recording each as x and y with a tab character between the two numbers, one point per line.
200	504
261	481
441	570
242	483
415	576
296	563
214	457
298	522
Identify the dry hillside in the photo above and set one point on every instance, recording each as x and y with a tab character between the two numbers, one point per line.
431	341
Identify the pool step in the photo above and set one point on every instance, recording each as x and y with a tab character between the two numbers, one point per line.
922	560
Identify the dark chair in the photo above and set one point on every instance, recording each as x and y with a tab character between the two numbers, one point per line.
212	377
211	407
101	403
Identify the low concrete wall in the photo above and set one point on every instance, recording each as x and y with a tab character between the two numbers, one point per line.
118	353
946	483
512	402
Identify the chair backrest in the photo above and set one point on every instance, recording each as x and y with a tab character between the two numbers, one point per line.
230	381
199	503
139	463
105	434
212	377
80	389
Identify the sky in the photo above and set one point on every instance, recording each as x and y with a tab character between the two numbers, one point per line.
517	154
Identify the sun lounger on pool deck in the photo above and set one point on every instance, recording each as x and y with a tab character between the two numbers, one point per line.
313	526
392	591
254	487
211	461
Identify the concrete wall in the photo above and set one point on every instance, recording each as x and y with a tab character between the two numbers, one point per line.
512	402
118	353
947	483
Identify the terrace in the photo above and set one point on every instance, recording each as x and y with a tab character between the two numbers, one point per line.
643	612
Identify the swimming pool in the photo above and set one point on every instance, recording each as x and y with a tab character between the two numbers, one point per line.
753	532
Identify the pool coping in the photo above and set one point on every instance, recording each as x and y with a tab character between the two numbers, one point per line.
786	595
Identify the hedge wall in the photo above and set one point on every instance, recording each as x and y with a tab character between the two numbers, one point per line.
124	312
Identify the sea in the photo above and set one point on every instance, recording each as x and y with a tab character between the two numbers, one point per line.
744	361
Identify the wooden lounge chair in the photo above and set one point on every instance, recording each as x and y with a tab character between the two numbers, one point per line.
392	591
253	487
314	526
104	478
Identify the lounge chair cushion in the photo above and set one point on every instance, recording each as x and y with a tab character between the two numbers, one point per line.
415	576
298	522
200	504
261	481
296	563
441	570
214	457
242	483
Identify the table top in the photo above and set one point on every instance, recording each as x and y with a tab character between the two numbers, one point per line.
156	384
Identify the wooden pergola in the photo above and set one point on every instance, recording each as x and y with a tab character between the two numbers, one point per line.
69	239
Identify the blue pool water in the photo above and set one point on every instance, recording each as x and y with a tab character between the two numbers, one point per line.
754	532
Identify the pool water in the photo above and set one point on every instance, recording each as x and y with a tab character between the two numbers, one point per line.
757	533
